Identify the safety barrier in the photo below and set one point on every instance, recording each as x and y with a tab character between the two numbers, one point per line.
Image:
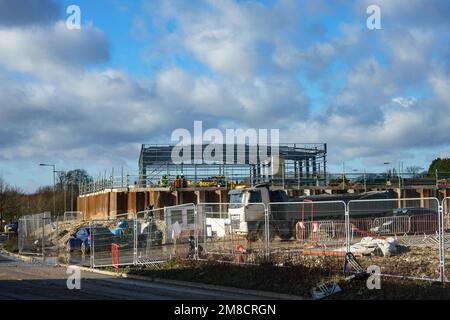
395	236
405	237
38	234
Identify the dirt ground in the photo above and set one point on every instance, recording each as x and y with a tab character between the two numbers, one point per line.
415	262
295	279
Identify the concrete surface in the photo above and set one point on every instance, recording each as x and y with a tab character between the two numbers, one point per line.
24	280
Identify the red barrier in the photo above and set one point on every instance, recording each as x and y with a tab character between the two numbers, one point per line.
115	255
300	229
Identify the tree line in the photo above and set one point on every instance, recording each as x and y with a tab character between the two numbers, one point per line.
14	202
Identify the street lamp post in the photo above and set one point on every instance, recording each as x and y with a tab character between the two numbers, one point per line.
54	194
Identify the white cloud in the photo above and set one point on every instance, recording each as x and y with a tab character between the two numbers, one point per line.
253	54
45	49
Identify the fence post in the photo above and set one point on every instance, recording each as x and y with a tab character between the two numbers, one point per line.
196	232
43	238
166	231
135	244
441	241
92	257
266	232
20	234
57	241
347	226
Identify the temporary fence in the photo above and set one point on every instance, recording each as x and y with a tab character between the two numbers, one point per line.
145	238
394	240
167	233
37	234
150	237
404	237
299	231
110	242
227	236
445	243
73	215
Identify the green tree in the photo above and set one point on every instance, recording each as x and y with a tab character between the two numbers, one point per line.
441	165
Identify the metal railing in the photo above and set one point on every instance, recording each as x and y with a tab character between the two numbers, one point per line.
408	238
355	180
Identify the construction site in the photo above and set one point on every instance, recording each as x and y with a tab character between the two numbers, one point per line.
236	150
157	186
244	213
302	170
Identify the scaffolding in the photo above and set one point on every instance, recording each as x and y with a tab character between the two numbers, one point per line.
297	164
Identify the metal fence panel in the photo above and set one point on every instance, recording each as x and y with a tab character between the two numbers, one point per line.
151	236
38	234
404	237
445	243
232	232
73	215
401	236
181	230
301	231
110	242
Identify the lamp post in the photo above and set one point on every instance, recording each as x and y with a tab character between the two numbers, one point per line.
54	195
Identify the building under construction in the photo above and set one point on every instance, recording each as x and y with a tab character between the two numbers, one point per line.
294	164
191	178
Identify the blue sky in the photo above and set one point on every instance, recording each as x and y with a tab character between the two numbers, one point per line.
137	70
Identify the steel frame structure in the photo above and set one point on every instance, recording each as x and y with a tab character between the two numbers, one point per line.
299	164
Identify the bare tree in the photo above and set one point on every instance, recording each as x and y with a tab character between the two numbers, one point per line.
11	202
413	170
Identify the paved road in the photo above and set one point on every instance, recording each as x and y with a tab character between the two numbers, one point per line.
24	281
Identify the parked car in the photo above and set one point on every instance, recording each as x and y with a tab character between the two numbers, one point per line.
409	220
82	238
423	220
12	227
123	230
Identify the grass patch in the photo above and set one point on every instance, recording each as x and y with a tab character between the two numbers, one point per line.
11	245
297	280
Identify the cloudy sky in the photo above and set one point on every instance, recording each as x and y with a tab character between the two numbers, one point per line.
137	70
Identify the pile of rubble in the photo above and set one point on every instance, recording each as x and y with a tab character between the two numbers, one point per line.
374	246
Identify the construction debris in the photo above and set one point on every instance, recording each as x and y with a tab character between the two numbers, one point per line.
324	290
352	268
374	246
